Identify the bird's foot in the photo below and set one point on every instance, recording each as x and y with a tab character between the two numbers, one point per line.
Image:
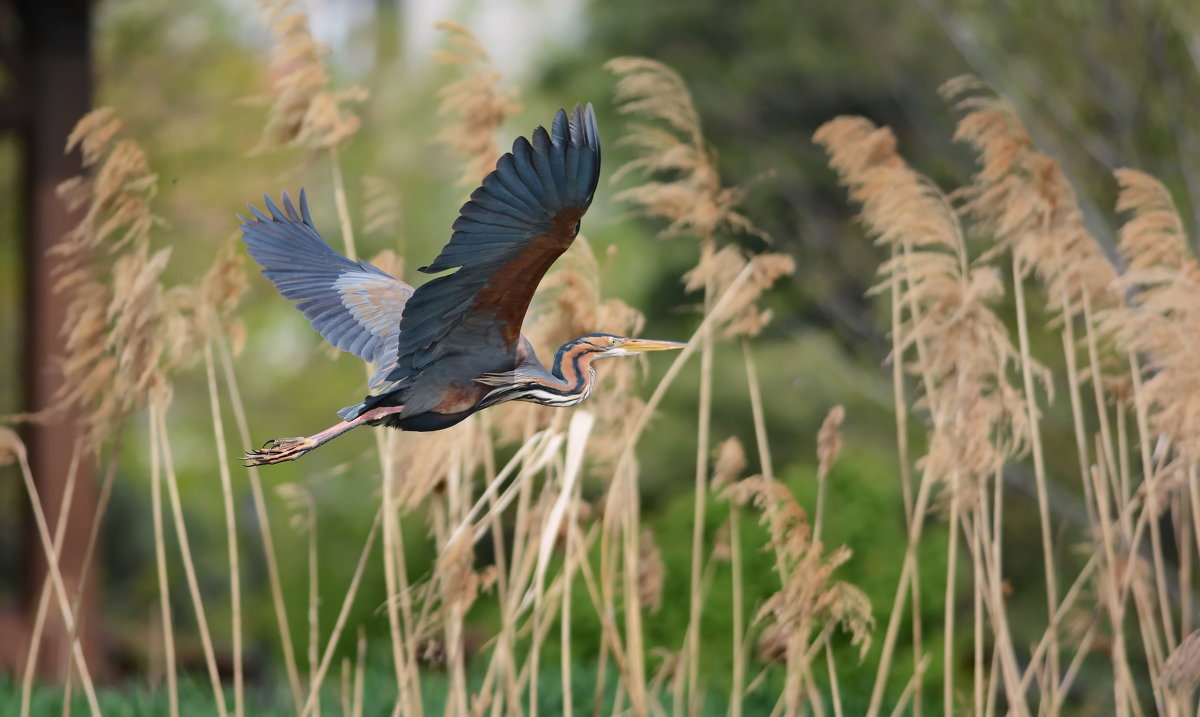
279	450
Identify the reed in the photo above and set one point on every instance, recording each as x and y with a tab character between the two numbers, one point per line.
568	555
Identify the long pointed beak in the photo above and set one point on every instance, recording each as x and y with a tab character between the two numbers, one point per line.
643	345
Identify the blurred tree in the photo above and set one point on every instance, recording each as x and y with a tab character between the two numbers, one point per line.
50	61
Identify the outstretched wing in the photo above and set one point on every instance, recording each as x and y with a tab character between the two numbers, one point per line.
354	305
507	235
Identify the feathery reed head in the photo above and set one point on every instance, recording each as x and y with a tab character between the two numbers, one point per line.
474	104
1162	316
304	110
978	416
808	597
671	142
1022	198
729	461
116	311
829	439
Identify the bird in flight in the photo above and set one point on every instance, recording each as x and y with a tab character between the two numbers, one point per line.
453	346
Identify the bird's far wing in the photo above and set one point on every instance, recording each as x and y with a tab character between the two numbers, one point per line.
354	305
522	218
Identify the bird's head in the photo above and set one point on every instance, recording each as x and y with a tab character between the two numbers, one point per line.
608	345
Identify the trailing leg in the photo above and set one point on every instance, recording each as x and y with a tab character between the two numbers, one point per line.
279	450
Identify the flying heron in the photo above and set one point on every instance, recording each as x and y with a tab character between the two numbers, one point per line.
453	346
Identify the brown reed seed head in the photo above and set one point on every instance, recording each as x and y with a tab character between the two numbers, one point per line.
426	459
301	506
382	212
979	418
650	572
1161	319
304	110
117	312
729	461
808	597
829	439
474	104
671	142
458	582
720	269
1021	197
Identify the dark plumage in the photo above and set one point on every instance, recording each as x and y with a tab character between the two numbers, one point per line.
453	346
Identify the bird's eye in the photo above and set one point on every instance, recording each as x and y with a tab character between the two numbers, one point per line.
576	229
612	341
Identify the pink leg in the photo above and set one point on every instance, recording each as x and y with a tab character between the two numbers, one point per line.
278	450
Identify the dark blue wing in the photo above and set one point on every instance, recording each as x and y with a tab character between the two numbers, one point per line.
356	306
507	235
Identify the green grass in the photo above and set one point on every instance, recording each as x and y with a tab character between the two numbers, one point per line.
135	699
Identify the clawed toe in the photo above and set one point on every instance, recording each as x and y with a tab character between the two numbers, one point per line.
278	450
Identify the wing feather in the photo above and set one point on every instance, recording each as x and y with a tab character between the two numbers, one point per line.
355	306
516	224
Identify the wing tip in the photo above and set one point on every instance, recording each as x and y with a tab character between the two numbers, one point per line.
288	213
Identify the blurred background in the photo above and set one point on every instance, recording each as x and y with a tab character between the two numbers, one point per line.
1100	84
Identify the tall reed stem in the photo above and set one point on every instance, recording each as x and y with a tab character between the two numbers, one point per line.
1039	472
235	577
189	567
264	523
695	605
160	556
39	620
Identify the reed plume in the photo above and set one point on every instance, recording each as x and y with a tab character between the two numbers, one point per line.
474	105
304	110
1161	318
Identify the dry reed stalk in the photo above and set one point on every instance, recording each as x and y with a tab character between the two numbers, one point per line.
235	580
1022	197
829	445
299	502
977	416
314	690
703	430
189	566
808	598
160	556
728	465
360	670
263	518
694	202
39	620
569	564
1154	325
89	552
11	448
900	408
1039	470
949	601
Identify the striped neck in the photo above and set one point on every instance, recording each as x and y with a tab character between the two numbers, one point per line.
570	381
573	364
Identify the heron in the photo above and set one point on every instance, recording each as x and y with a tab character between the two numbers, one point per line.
453	346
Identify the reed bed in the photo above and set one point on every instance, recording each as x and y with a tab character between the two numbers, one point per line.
970	398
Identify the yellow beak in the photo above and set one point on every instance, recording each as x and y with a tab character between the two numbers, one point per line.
643	345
